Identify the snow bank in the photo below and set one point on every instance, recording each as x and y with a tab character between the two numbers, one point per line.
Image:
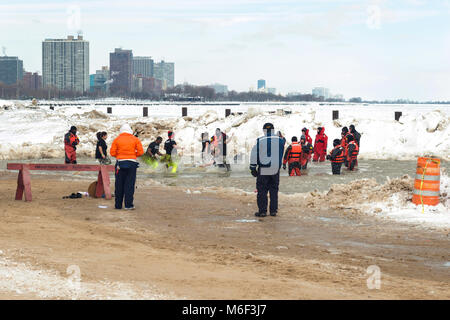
29	132
399	207
391	200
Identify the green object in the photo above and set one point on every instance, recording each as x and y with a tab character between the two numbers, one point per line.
150	161
171	163
166	159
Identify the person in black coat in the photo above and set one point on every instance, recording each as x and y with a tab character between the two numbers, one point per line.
100	150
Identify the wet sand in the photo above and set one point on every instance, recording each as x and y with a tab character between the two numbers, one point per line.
206	245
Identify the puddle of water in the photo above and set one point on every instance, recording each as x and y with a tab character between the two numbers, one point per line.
447	264
246	220
325	219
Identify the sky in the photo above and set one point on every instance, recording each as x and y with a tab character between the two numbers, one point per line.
376	49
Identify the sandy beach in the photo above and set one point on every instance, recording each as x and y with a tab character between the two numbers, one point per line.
207	245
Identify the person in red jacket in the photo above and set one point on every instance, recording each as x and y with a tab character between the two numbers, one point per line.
305	132
70	145
126	148
292	155
320	145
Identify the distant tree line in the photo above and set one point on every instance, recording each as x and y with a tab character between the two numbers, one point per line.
185	92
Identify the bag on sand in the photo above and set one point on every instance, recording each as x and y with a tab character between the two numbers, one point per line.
73	196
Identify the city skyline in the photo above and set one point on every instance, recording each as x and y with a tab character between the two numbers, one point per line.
373	49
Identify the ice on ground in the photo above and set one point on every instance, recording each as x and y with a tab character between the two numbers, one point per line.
29	132
22	279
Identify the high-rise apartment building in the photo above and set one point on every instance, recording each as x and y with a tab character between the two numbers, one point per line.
165	71
11	70
143	66
65	64
121	71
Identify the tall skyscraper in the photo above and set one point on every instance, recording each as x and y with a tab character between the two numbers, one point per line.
65	63
121	71
11	70
143	66
165	71
261	84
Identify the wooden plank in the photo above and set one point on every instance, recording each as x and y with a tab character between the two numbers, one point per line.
20	185
103	185
106	183
27	182
59	167
24	184
100	189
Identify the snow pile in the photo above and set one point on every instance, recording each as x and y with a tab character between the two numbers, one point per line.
399	207
22	279
29	132
390	200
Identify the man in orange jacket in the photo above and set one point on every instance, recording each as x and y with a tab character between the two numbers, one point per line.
126	148
293	155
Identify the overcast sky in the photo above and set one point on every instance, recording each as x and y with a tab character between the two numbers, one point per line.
373	49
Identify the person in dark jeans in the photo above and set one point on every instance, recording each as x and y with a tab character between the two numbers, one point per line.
126	148
100	150
125	183
265	163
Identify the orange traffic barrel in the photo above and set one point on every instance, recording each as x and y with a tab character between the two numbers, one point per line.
426	185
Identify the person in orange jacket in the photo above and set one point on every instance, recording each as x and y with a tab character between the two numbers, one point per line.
70	145
293	156
320	145
336	157
126	148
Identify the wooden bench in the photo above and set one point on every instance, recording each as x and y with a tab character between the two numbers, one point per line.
24	178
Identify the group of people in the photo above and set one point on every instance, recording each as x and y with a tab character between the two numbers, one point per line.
214	149
268	155
266	159
153	156
126	148
345	150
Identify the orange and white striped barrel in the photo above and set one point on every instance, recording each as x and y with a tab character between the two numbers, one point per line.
426	185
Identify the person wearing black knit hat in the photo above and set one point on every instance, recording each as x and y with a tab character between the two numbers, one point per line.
265	163
336	157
